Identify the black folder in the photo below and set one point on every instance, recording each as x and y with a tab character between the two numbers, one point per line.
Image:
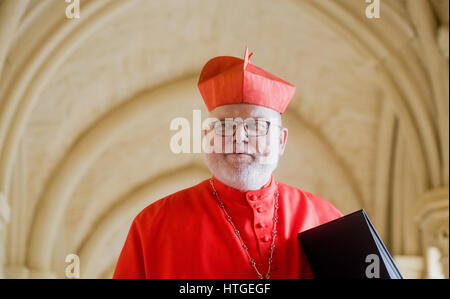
347	248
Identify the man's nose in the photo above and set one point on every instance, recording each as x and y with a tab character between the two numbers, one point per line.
241	134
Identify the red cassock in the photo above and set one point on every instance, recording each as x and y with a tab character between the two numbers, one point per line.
187	235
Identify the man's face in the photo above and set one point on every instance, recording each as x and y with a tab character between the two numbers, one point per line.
250	149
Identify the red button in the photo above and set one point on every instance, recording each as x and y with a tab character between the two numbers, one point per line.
259	225
253	197
266	239
260	210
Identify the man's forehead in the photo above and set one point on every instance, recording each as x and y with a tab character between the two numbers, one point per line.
244	111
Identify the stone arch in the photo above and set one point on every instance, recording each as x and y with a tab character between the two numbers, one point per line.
88	149
364	38
22	95
128	207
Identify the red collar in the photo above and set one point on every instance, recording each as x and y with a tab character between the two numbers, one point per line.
235	196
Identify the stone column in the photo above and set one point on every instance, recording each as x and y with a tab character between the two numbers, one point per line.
432	213
4	219
410	266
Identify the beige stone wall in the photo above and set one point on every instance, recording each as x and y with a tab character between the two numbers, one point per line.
86	104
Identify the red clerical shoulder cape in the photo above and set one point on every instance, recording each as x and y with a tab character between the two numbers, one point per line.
187	235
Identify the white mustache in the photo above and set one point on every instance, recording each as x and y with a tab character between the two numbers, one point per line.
251	152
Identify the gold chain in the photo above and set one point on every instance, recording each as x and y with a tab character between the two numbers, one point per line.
274	232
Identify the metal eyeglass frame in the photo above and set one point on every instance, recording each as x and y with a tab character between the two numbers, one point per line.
236	123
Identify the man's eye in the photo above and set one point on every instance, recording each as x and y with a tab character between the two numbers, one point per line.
252	126
261	125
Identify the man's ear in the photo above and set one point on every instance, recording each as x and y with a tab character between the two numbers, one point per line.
283	139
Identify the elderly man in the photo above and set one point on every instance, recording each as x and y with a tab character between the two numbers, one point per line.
241	222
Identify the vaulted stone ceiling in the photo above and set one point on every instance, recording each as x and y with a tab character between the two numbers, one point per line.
86	106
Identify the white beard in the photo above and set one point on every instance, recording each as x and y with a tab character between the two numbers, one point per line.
241	176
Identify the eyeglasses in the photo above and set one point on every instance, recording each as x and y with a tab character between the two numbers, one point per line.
253	127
